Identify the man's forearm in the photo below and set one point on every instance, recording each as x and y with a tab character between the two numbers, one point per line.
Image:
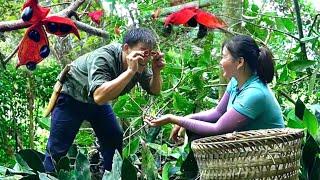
111	89
156	83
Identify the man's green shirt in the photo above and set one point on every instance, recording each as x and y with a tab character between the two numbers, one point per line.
91	70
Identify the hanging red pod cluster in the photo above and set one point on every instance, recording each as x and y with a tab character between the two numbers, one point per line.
34	46
192	16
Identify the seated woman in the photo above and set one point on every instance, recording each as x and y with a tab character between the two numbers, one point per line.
248	102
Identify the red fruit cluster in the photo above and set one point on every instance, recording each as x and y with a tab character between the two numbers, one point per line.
34	46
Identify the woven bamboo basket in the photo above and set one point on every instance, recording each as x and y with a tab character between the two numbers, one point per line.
257	154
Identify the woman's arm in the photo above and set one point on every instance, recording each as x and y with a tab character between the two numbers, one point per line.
228	122
212	115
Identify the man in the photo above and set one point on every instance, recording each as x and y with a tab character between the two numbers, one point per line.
95	79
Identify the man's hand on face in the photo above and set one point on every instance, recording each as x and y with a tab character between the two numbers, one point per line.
133	60
157	62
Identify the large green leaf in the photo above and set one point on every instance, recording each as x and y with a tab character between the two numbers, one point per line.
166	171
300	65
128	171
116	168
22	165
148	164
131	147
33	159
310	149
311	122
82	167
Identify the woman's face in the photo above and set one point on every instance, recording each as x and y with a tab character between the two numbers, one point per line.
228	64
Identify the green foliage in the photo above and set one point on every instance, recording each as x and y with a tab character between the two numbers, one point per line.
190	84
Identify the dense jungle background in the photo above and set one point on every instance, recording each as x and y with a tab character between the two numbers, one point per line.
191	82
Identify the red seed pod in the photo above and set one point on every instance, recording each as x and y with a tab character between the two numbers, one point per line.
32	12
34	46
60	26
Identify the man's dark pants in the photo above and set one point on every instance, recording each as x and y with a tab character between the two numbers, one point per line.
66	119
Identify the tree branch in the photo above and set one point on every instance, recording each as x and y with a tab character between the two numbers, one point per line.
300	30
282	32
168	10
19	24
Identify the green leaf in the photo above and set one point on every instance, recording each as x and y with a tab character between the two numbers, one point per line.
152	134
162	149
148	163
63	164
128	171
33	159
254	8
166	170
14	177
118	106
189	167
181	103
44	123
22	165
300	65
284	75
311	122
67	175
116	168
292	123
131	147
288	23
44	176
315	172
308	39
299	109
310	149
82	167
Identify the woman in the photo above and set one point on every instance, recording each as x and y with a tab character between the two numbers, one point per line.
248	102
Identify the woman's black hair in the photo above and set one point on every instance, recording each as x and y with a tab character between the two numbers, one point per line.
259	60
139	35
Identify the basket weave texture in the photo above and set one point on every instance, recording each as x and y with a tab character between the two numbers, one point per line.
257	154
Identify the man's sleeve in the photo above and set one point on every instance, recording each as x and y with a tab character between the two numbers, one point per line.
99	72
250	102
145	79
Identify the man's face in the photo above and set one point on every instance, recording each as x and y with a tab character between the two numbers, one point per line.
146	57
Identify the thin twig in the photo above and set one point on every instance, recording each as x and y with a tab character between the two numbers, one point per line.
4	62
135	132
287	96
313	23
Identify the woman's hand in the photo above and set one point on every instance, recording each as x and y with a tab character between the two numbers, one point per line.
177	133
163	120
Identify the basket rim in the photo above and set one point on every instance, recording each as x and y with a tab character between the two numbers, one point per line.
267	136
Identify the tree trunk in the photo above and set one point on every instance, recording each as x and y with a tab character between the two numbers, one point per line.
231	10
